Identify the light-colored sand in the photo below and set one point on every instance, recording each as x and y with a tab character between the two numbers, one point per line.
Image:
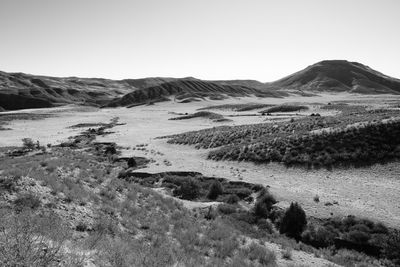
371	192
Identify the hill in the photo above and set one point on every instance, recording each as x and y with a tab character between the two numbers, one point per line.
191	88
20	91
340	76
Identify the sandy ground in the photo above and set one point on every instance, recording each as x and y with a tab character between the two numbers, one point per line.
372	192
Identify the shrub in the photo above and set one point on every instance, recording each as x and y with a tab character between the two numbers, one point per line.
294	221
189	189
276	215
259	253
242	193
31	240
226	247
108	192
211	214
345	257
8	184
227	208
131	163
232	199
26	201
215	190
319	236
81	227
287	254
245	216
27	143
265	225
264	204
380	228
357	236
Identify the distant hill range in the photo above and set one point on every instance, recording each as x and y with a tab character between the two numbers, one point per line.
20	91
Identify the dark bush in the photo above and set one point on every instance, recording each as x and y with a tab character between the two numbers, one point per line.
242	193
211	214
189	189
227	208
276	215
265	225
294	221
132	163
319	236
8	184
264	204
215	190
110	150
27	143
232	199
246	217
357	236
360	227
27	201
81	227
379	228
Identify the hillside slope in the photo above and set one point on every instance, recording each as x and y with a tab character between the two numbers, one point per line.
190	88
340	76
20	91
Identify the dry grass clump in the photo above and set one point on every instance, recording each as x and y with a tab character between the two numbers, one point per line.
29	239
260	254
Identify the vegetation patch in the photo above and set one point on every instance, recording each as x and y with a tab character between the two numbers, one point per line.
313	141
284	108
201	114
238	107
85	125
194	186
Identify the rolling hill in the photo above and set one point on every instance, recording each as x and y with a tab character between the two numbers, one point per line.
340	76
190	88
20	91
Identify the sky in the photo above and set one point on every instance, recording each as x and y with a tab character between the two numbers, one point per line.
207	39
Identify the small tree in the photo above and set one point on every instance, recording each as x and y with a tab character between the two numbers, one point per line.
189	189
215	190
27	143
294	221
132	163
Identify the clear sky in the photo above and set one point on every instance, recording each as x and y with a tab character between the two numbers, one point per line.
207	39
